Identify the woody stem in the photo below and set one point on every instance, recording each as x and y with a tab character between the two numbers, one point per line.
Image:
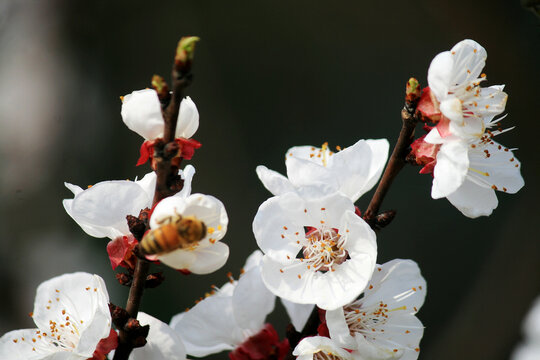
397	159
164	151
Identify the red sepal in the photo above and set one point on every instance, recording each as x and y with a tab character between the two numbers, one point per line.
187	147
184	271
261	346
443	127
120	252
146	151
105	346
428	106
425	154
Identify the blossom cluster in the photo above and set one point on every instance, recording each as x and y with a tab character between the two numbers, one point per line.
317	253
468	166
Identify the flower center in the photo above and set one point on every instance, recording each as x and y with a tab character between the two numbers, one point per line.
324	249
367	319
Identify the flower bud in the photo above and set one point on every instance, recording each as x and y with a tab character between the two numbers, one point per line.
161	87
413	91
185	52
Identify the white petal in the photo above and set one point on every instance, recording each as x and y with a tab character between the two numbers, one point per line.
500	169
253	260
273	181
188	119
451	108
289	281
163	343
79	301
469	59
474	200
379	155
148	184
358	167
401	333
75	189
531	324
451	169
338	328
306	172
252	301
399	284
490	102
141	112
528	351
440	74
340	287
13	347
187	176
200	260
298	313
273	216
468	128
106	204
434	137
209	327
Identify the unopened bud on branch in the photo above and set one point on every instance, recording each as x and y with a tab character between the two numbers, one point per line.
161	87
185	52
413	91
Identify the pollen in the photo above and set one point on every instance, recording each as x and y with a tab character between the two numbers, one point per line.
210	230
299	276
370	287
407	332
281	271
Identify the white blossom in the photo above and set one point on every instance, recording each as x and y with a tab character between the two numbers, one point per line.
203	256
382	324
101	209
72	315
338	249
229	316
352	171
470	165
141	112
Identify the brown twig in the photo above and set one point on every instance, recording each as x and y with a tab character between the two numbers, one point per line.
164	151
399	154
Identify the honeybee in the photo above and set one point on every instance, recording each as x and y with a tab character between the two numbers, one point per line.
175	232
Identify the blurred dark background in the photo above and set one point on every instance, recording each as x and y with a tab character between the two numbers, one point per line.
268	75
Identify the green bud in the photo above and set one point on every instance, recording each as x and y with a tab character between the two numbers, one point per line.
161	87
186	50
